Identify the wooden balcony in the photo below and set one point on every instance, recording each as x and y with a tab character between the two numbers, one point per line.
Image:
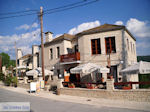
70	57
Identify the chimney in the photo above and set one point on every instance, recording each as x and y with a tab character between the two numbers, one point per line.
49	36
19	53
35	49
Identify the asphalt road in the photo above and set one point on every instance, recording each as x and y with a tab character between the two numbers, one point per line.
39	104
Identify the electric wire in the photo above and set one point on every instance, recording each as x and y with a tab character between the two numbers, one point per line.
50	11
72	7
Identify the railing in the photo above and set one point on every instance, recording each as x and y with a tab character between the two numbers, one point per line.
84	85
130	83
70	57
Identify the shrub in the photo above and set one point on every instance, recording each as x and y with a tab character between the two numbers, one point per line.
2	76
14	81
8	80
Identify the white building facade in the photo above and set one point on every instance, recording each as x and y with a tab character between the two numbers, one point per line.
95	45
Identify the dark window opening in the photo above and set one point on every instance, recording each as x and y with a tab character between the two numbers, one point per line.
110	45
58	52
51	53
76	48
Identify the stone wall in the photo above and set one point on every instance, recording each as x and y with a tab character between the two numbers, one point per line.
23	85
130	95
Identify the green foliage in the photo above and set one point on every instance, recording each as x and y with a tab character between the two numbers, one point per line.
2	76
6	60
144	78
14	81
143	58
8	80
12	62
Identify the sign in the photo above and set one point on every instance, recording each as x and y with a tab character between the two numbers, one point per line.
42	84
14	106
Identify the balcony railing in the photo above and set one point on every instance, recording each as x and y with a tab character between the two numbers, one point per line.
70	57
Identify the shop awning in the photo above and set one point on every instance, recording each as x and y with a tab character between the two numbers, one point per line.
141	67
88	68
38	72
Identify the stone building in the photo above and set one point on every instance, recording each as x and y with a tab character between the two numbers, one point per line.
95	45
29	61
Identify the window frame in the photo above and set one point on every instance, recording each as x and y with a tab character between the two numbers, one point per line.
97	47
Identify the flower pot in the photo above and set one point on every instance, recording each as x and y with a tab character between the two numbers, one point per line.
126	88
102	79
71	85
91	87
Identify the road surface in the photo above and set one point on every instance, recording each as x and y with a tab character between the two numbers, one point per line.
39	104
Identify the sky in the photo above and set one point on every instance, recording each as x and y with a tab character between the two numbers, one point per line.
25	30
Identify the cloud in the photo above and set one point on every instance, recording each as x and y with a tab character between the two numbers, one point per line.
26	27
119	23
24	41
138	28
84	26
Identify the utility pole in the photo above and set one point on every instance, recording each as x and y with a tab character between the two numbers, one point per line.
42	45
16	60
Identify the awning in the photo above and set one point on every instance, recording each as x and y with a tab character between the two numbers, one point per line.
38	72
88	68
140	67
73	62
20	67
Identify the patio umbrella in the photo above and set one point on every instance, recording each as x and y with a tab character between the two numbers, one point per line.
137	68
88	68
20	67
38	72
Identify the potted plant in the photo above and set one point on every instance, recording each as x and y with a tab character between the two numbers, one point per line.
102	79
71	85
127	87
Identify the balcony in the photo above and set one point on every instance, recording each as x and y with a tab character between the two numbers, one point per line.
72	57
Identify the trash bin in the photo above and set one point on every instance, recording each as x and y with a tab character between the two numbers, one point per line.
58	92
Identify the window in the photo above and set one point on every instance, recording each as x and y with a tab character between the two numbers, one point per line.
110	45
58	52
131	46
96	46
133	49
128	44
51	53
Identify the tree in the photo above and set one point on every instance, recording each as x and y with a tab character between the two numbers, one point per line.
6	60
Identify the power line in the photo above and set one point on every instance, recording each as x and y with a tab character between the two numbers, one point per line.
10	13
71	7
17	15
64	6
50	11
